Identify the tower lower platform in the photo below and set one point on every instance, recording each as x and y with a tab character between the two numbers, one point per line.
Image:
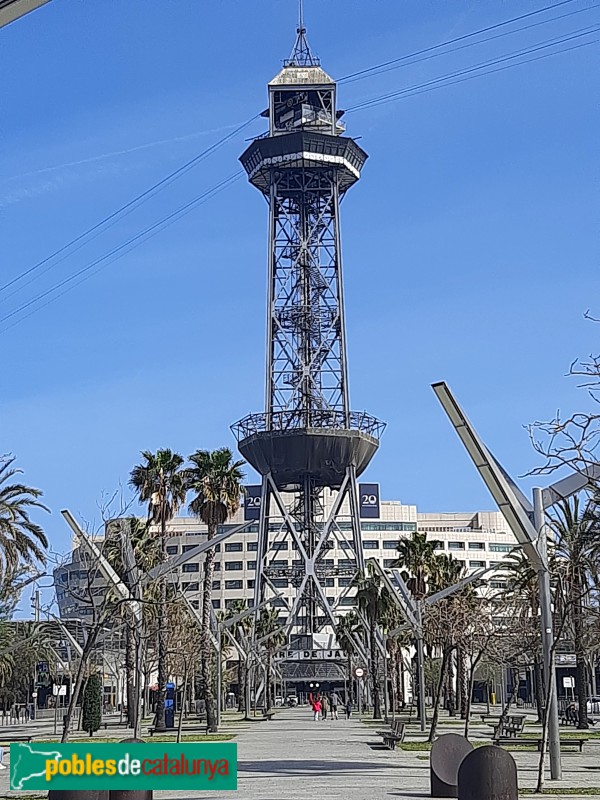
291	453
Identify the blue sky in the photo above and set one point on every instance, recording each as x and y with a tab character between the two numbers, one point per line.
470	244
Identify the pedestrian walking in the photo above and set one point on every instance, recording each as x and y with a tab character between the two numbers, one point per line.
334	702
348	709
316	709
325	706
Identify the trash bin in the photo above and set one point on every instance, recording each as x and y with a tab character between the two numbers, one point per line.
169	718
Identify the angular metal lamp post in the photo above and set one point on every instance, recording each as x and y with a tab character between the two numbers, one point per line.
527	522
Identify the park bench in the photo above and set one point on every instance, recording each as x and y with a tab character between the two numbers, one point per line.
264	715
184	731
511	726
393	735
564	743
7	740
115	723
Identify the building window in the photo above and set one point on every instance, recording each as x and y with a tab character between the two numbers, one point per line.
390	544
370	544
348	601
172	549
280	583
251	565
195	603
476	564
278	602
232	566
456	545
327	562
187	547
390	562
233	547
217	566
476	545
230	603
252	547
499	584
327	582
191	587
346	545
500	548
234	584
191	567
216	603
344	581
250	583
346	563
216	585
279	563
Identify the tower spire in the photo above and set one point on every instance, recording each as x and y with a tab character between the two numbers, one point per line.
301	55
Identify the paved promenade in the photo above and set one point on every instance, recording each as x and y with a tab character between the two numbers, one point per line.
294	758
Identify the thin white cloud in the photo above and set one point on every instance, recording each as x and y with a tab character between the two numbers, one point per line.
117	153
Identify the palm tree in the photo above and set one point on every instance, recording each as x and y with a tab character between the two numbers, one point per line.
21	540
574	546
270	631
373	601
216	482
160	483
242	628
416	556
347	629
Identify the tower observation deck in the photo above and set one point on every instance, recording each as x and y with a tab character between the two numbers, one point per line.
307	439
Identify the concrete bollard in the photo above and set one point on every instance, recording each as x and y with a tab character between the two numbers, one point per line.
130	794
447	753
488	773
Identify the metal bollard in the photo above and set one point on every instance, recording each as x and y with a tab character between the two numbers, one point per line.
447	753
488	773
130	794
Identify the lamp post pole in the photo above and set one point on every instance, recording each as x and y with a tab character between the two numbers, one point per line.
551	711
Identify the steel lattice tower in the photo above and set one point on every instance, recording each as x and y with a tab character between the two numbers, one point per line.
307	441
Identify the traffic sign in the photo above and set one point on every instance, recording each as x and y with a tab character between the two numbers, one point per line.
359	672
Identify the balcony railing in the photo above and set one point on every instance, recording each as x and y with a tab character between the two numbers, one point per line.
298	420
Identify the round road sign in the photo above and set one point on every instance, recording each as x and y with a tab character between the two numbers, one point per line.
359	672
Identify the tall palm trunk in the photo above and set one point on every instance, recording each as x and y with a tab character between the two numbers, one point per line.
401	678
205	687
394	675
268	701
438	696
350	679
580	670
538	687
462	680
130	659
159	719
374	672
241	680
450	693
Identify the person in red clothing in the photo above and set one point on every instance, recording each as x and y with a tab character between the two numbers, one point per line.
316	708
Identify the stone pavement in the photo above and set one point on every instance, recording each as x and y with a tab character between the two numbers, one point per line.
292	758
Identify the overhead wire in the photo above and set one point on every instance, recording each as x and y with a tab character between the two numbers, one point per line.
406	63
443	80
117	215
119	251
131	243
431	48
